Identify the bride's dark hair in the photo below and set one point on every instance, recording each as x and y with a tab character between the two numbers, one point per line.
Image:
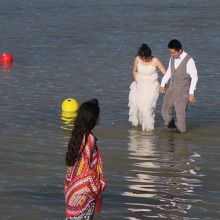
86	120
144	51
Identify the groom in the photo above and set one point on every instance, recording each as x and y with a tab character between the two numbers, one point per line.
183	77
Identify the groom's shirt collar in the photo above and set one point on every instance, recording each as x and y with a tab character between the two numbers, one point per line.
178	60
182	55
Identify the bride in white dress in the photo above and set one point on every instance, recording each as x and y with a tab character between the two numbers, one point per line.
144	90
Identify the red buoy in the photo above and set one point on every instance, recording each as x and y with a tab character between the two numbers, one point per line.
6	58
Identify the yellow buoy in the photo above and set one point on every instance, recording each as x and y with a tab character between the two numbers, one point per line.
70	105
69	113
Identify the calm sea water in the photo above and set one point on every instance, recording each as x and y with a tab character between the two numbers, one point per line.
85	49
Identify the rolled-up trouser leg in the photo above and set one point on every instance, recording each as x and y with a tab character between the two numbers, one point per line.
180	105
167	108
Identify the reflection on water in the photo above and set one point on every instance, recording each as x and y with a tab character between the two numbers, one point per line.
163	179
142	152
68	119
5	71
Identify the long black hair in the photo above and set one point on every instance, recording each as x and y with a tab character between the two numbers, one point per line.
144	52
86	120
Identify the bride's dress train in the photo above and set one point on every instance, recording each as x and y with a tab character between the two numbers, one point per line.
143	97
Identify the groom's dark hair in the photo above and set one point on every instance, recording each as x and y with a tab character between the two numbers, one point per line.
175	44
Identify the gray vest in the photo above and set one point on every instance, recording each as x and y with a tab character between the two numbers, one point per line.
179	78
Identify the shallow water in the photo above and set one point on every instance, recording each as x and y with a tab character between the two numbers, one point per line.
84	49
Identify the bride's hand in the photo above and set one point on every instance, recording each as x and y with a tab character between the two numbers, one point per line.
136	79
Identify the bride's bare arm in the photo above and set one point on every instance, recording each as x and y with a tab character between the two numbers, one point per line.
135	68
160	65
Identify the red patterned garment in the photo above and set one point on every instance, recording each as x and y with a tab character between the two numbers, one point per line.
85	182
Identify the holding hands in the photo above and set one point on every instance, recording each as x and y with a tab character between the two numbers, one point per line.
162	89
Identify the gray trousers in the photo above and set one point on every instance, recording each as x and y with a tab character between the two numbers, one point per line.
175	99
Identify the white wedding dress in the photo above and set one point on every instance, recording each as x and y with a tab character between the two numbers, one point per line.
143	97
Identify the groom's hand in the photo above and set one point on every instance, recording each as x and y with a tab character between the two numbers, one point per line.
162	89
192	98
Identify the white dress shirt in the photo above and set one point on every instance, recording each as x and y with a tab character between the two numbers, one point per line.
190	69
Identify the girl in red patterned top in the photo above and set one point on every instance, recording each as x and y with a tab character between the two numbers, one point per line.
85	182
